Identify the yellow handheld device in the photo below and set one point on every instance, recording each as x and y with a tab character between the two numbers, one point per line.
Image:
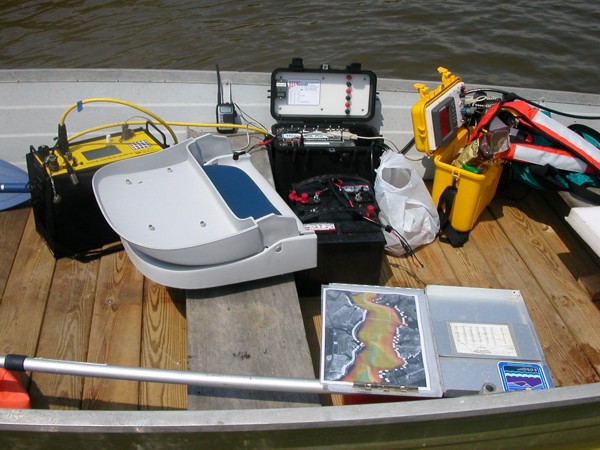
94	153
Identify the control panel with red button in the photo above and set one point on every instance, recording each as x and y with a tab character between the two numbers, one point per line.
323	93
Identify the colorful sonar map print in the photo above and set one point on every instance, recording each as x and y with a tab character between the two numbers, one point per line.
373	337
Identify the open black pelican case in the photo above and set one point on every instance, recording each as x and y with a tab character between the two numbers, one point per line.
324	153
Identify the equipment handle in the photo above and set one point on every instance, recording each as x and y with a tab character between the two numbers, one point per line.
164	138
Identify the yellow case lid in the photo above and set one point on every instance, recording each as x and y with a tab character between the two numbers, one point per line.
419	109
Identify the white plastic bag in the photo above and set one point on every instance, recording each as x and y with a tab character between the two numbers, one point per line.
405	203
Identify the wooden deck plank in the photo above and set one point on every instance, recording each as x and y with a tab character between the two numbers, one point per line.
574	253
559	235
572	304
435	270
252	328
26	293
65	333
163	345
12	224
116	333
512	272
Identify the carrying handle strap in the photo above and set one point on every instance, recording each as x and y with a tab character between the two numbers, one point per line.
447	232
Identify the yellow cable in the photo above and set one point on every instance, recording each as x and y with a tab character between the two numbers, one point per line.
120	102
176	124
219	125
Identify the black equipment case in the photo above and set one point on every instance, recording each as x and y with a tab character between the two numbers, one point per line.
66	213
324	141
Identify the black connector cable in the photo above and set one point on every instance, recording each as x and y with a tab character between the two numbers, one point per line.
511	96
405	245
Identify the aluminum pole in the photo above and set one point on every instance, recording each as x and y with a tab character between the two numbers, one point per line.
84	369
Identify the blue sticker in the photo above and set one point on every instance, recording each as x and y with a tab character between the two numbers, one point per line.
518	376
79	106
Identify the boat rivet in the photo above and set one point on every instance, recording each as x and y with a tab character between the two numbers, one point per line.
128	181
278	249
202	223
169	170
151	227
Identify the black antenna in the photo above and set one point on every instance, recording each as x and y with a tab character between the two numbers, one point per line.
219	87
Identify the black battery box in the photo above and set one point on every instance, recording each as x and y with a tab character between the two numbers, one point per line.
323	154
67	216
342	211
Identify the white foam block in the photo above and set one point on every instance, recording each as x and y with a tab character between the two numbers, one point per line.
586	222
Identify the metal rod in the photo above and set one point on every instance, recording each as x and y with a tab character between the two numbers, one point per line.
247	382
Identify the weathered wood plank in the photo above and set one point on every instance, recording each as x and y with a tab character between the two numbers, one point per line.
408	273
163	345
115	333
591	284
65	333
12	224
558	234
26	293
574	253
571	303
505	258
252	328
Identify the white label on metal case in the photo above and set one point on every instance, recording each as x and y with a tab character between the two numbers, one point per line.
483	339
304	92
319	226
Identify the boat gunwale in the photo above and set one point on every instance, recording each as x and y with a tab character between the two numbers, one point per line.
107	75
433	410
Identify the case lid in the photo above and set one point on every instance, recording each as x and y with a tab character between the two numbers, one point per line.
323	94
438	114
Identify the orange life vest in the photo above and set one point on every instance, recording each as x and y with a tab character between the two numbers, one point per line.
12	392
570	151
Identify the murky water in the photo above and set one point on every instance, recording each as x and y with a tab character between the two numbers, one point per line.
546	44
